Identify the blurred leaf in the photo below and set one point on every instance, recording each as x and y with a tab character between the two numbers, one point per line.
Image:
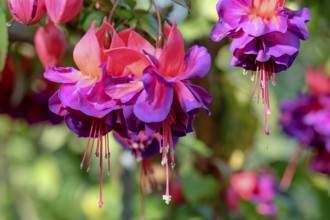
3	39
95	16
149	24
184	3
197	187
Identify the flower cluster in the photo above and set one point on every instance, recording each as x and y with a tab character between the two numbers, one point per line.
257	188
31	11
307	119
127	85
266	39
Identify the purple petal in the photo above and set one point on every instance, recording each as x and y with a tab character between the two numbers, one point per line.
154	103
63	74
56	106
197	63
297	22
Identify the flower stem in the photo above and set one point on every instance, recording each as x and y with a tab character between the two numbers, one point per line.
113	10
290	169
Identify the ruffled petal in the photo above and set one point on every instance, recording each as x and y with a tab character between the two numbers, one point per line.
56	106
154	103
197	63
297	22
63	74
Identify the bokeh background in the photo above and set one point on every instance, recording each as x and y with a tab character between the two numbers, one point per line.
40	177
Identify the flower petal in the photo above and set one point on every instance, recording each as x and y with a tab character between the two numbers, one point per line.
63	74
154	103
86	54
197	63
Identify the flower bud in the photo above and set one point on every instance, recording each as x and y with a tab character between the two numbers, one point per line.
27	11
63	11
50	44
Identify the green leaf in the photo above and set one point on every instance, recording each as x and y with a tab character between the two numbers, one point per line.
197	187
149	24
184	3
95	16
3	39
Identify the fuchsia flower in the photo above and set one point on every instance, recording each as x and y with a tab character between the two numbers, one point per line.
307	119
27	11
50	44
317	81
257	188
153	87
266	39
87	110
63	11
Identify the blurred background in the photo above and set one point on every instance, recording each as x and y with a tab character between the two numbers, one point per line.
40	177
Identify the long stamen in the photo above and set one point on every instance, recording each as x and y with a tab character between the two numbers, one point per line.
101	161
87	145
113	10
92	148
167	140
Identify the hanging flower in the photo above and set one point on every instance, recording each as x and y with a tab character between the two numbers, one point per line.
50	44
153	88
27	11
63	11
87	110
257	188
266	39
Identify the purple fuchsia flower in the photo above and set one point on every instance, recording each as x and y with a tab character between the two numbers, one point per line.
141	145
88	111
266	39
153	87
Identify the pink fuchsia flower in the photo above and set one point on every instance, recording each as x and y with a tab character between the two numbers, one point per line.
266	39
87	110
27	11
155	90
257	188
318	81
50	44
63	11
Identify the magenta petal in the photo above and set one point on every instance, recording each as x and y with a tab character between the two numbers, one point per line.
62	74
186	99
67	93
154	103
197	63
297	22
221	30
56	106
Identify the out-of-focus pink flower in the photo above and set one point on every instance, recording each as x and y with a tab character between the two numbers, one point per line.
257	188
244	184
63	11
50	44
318	81
27	11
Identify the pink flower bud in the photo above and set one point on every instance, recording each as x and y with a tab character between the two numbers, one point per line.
63	11
27	11
50	44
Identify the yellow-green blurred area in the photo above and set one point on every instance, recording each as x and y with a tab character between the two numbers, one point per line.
40	175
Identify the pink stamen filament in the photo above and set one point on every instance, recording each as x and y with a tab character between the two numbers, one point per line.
97	131
167	145
264	72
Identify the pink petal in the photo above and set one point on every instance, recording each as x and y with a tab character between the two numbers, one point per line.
86	54
172	56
